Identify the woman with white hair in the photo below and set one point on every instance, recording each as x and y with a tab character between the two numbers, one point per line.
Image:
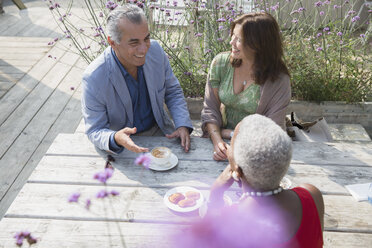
266	215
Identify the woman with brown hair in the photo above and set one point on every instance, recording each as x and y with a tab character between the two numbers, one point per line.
251	78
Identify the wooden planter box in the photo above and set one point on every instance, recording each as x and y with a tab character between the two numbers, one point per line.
333	112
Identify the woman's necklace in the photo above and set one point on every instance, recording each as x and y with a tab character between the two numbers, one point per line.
261	194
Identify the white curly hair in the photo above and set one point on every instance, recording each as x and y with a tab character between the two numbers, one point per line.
263	151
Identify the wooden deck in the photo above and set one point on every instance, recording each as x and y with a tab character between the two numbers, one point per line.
40	98
36	100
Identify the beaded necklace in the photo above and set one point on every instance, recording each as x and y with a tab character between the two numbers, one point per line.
261	194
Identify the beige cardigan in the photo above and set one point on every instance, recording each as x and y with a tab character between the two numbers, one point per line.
274	100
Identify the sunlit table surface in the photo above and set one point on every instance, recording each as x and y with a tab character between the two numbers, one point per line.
138	217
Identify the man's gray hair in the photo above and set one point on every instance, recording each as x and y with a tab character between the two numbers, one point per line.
129	11
263	151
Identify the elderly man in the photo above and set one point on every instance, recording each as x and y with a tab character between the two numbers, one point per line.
125	88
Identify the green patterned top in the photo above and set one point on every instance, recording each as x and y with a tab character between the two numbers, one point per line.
237	106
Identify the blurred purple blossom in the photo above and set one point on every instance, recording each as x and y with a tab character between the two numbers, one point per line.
326	29
187	73
20	236
198	34
355	18
321	13
144	160
318	35
219	39
74	197
362	35
103	176
88	202
114	193
101	194
295	21
327	2
318	4
318	49
221	20
192	22
336	6
111	5
339	33
175	3
220	27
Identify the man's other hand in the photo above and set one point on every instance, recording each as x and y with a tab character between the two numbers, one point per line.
122	137
184	135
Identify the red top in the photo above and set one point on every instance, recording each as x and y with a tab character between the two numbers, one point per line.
309	234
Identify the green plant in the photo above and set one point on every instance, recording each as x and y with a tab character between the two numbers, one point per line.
326	43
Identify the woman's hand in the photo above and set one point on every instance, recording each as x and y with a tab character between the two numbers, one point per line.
222	183
220	150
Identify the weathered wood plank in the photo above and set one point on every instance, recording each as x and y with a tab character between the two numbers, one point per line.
20	50
69	233
38	125
342	212
349	154
9	69
21	116
66	123
347	240
17	62
62	169
16	95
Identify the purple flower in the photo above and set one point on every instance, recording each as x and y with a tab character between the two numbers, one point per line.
50	43
175	3
326	29
55	39
51	7
74	197
321	13
102	194
318	4
355	18
295	21
301	9
339	33
362	35
219	39
336	6
198	34
221	20
103	176
327	2
111	5
56	5
318	49
72	88
318	35
220	27
192	22
88	202
114	193
144	160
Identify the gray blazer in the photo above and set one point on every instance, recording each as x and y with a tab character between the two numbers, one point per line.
106	103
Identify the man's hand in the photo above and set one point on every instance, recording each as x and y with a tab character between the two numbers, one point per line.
184	135
122	137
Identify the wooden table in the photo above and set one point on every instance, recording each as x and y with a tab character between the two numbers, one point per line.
138	215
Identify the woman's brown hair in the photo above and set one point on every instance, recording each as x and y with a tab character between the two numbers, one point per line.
261	34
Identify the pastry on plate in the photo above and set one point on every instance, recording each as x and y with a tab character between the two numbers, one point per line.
188	202
176	197
193	195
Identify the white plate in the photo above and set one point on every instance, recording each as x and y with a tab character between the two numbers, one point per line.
182	190
172	162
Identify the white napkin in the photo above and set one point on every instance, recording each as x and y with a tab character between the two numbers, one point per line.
359	191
